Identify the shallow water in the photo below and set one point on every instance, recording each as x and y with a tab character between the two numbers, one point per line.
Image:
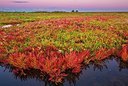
9	79
111	72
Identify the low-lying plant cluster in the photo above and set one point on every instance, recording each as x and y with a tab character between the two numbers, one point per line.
60	44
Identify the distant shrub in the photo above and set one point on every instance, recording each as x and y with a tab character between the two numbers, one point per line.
73	11
77	11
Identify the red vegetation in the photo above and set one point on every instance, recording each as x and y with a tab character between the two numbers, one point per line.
49	61
18	46
124	52
103	53
74	60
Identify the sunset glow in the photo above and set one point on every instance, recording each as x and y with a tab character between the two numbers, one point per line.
65	4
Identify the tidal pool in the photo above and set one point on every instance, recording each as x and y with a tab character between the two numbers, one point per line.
111	72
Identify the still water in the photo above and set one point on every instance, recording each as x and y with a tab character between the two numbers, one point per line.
111	72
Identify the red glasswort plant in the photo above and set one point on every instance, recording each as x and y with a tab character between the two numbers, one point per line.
103	53
49	61
124	52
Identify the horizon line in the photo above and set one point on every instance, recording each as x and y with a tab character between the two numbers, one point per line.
59	10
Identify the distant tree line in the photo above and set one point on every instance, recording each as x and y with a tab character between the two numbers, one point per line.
42	11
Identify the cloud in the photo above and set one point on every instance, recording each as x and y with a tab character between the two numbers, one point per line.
20	1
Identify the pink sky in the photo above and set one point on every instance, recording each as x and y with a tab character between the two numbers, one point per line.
110	4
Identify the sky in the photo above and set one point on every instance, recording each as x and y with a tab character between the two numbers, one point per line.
65	4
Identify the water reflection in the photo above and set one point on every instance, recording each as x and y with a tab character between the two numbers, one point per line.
110	72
